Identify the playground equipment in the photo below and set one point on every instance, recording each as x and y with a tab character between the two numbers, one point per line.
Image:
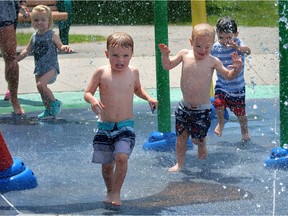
14	175
165	140
279	155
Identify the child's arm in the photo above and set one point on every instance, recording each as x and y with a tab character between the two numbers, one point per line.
96	104
141	93
230	74
168	63
59	45
241	48
25	51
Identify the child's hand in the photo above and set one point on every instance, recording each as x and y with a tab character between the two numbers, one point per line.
153	104
232	44
97	107
164	49
237	62
67	48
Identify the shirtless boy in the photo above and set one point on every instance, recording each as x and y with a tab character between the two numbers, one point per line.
115	137
193	111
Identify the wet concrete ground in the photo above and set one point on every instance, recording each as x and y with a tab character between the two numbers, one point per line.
231	181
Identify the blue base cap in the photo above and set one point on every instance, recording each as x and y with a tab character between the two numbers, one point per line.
162	142
278	159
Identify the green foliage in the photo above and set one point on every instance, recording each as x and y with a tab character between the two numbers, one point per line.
130	12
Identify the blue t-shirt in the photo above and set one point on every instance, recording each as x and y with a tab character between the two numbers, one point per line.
235	87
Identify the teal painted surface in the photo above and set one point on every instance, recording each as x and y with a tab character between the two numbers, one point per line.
32	102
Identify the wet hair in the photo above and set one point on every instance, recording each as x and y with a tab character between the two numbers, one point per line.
39	9
226	25
203	29
120	38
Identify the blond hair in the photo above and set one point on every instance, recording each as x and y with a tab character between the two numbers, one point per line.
203	29
40	9
120	38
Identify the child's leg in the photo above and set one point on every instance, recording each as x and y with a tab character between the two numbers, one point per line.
108	174
221	120
202	149
181	146
42	86
121	161
244	128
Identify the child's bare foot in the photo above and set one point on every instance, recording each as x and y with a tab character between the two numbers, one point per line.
218	129
108	199
202	151
175	168
246	137
116	200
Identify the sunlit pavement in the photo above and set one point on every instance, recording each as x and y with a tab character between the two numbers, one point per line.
231	181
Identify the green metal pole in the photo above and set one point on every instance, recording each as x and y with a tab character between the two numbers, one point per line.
162	76
283	71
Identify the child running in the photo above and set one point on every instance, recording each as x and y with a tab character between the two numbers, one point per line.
193	111
44	44
115	137
230	93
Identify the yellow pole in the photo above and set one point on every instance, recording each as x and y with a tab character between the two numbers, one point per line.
198	14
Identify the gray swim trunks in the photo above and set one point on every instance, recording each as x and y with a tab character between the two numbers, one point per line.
112	138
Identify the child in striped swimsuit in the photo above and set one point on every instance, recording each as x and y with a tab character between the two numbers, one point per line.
230	93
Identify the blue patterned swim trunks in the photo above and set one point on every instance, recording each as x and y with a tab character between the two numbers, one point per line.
113	138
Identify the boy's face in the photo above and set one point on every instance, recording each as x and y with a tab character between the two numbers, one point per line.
119	57
225	39
202	46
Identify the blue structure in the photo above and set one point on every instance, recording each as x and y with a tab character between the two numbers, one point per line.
166	141
278	159
162	142
17	177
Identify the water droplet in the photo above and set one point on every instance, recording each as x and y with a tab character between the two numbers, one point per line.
245	195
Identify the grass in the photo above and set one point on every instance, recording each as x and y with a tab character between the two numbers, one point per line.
246	13
23	38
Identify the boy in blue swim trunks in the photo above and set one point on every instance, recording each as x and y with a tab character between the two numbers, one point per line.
230	93
193	112
115	137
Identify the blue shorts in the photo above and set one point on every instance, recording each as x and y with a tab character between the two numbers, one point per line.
111	139
196	121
